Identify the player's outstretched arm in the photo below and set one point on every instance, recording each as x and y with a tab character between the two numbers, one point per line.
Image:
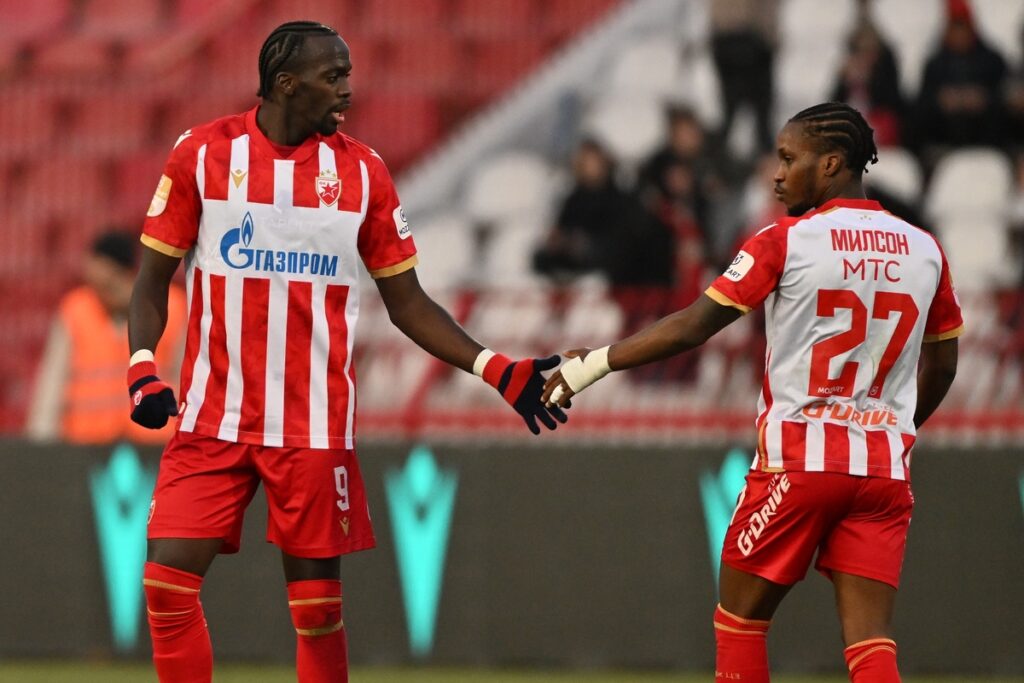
935	373
420	318
152	399
675	333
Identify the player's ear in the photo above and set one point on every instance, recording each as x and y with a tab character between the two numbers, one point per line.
286	82
831	164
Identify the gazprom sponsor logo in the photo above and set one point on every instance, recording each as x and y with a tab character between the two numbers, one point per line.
237	252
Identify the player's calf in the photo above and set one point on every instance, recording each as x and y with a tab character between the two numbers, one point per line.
321	654
872	661
177	626
741	649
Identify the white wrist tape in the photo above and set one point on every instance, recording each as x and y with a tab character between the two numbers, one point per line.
141	356
580	374
481	362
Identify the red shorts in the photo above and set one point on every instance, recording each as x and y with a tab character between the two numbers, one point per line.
315	497
858	525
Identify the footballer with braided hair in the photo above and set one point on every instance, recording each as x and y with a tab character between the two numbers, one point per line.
862	325
273	210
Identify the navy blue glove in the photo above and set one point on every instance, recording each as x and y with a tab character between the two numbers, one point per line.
521	385
152	399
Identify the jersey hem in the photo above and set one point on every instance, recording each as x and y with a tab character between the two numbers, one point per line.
722	299
943	336
395	269
287	440
162	247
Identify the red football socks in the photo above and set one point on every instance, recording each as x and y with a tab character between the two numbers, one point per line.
872	661
741	655
321	654
181	641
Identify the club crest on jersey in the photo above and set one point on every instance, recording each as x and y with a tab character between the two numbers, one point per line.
328	187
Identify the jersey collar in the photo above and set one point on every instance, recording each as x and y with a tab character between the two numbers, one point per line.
304	151
844	203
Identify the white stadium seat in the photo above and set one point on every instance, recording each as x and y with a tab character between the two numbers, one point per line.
445	246
648	68
912	29
978	251
972	180
898	172
507	186
632	128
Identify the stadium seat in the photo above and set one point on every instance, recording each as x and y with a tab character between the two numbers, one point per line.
27	119
407	18
496	65
975	269
446	246
135	179
69	184
398	125
911	28
970	180
898	172
648	68
410	66
120	19
630	128
560	18
74	57
485	18
27	21
509	186
510	248
1001	23
105	122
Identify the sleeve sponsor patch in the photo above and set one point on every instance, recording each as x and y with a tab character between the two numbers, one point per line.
739	267
401	224
159	202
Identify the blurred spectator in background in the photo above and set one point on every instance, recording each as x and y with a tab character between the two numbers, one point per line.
79	395
743	42
960	102
869	80
1014	100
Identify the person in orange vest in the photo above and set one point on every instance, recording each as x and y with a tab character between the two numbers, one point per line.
79	391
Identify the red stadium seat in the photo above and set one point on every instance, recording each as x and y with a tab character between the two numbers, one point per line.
113	122
399	126
25	21
68	185
74	56
485	18
565	17
496	65
27	119
432	68
182	114
135	179
406	18
122	19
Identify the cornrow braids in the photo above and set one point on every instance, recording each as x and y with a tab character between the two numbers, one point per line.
840	126
281	45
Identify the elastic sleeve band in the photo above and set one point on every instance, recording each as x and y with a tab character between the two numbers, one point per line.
141	356
481	362
580	374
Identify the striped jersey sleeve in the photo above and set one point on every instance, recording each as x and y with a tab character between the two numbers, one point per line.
945	320
172	221
385	240
755	271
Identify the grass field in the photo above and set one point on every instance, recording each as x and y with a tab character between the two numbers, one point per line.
138	673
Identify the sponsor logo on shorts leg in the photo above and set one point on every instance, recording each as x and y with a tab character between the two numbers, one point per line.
760	520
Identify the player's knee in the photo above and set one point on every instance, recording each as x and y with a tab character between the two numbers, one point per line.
315	607
172	599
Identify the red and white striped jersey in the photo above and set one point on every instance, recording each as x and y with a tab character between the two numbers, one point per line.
850	294
272	238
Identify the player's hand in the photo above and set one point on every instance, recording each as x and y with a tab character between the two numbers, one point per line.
556	390
152	399
520	384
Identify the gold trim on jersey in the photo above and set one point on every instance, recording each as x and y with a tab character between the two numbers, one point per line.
722	299
322	631
162	247
395	269
943	336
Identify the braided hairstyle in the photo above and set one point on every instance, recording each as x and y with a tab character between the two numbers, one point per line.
283	43
841	127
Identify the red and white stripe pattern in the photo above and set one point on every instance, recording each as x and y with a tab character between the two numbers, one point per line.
268	357
850	294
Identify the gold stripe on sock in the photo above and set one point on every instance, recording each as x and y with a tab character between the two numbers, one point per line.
169	586
862	643
857	660
752	622
322	631
167	614
743	632
314	601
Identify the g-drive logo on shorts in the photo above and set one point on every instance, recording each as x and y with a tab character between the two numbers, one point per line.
759	521
739	267
236	251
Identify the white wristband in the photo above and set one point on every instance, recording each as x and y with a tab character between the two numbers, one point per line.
481	362
580	374
141	356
